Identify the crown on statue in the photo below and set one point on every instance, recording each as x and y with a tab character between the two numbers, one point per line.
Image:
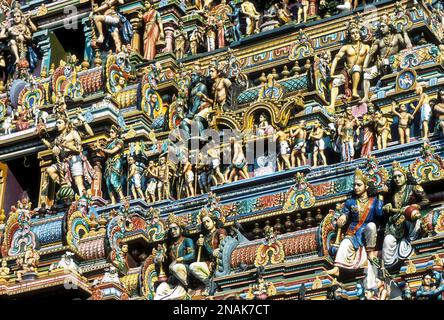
385	19
172	218
360	175
396	166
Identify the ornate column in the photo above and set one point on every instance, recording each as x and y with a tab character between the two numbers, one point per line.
3	174
88	54
136	23
169	38
44	47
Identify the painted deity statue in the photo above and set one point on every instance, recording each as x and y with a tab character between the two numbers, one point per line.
298	136
221	87
403	226
20	34
181	252
235	21
135	179
348	126
355	53
368	132
439	110
71	165
317	135
238	168
113	150
432	286
252	17
213	153
208	247
404	120
382	130
116	24
153	30
180	38
387	43
360	212
28	263
163	182
284	154
263	128
425	110
151	172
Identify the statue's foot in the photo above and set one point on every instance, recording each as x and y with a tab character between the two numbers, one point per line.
100	39
365	100
333	272
356	95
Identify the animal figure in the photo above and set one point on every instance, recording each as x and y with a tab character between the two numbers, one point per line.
7	125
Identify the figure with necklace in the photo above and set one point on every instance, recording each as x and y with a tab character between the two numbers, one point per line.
355	53
406	200
114	168
360	213
208	245
180	254
387	43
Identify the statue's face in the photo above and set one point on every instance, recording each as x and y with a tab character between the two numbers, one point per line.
359	187
61	125
175	230
208	223
399	178
354	34
402	108
427	280
384	28
194	77
130	160
262	118
162	160
125	248
112	134
348	111
17	18
371	109
151	163
4	263
213	73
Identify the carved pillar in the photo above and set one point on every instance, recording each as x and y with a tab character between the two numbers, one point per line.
45	48
169	39
312	9
88	54
136	23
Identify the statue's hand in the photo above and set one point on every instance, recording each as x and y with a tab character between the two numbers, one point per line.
387	207
216	252
56	151
342	220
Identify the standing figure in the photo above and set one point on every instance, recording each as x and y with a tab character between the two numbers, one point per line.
114	168
388	42
210	33
403	226
213	153
284	13
439	110
317	135
382	128
404	121
426	110
221	87
348	125
163	184
135	179
181	253
358	246
203	173
20	34
252	16
70	164
220	25
196	39
302	10
208	247
188	176
284	151
299	137
180	38
235	21
368	132
153	30
107	14
152	175
238	168
355	53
